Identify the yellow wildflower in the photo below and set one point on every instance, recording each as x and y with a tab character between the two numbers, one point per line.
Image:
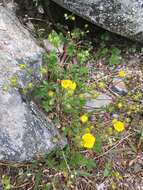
73	86
6	88
120	105
95	95
13	81
88	140
24	90
118	175
127	120
30	85
119	126
84	118
122	74
68	84
22	66
101	85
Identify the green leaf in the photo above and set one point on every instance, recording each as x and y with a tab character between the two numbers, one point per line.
46	106
50	162
54	39
98	144
52	59
115	58
71	49
77	159
38	180
106	172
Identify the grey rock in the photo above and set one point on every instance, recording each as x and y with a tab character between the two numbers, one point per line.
24	129
124	17
102	101
119	87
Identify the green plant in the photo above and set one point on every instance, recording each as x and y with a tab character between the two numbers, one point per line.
94	137
115	58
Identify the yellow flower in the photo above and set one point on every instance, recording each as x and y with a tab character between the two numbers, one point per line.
68	84
84	118
127	120
22	66
120	105
73	86
88	140
122	74
101	85
119	126
6	88
24	90
13	81
50	93
95	95
30	85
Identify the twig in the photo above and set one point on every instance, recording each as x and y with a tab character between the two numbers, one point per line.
113	147
66	162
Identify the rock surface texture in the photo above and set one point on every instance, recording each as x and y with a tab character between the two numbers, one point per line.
101	101
24	130
124	17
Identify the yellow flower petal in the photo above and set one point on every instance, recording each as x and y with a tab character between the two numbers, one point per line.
30	85
68	84
84	118
22	66
101	85
73	86
88	140
122	74
119	126
120	105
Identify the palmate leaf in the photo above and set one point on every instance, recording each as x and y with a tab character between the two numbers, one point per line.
51	59
78	159
71	49
115	58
